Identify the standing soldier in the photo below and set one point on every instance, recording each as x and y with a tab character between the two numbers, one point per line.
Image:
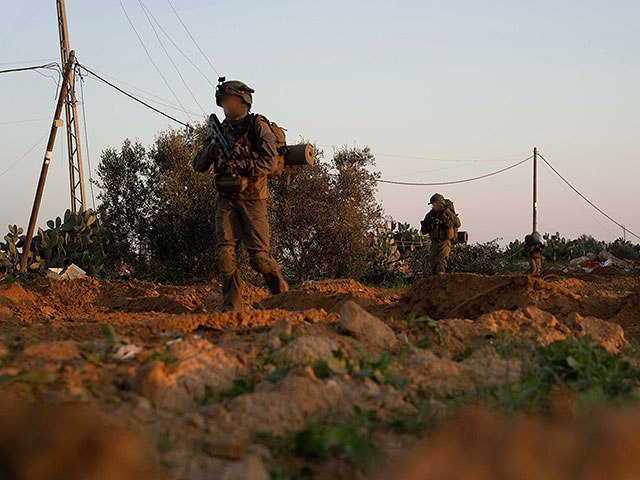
535	248
242	189
441	224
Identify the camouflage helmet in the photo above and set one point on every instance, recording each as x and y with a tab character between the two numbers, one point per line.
436	198
234	87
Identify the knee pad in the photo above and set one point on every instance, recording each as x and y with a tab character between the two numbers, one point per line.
261	262
227	261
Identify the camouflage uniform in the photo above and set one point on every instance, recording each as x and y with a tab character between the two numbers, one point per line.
242	215
535	248
441	227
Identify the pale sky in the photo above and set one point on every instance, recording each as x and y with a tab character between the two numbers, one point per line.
448	82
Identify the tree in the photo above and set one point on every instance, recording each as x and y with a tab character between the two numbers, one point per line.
128	198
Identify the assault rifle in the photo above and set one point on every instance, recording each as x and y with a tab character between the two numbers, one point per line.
227	147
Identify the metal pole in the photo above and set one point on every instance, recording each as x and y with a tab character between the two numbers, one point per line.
68	69
535	189
76	174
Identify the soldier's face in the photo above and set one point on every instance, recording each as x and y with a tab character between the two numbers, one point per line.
437	206
232	105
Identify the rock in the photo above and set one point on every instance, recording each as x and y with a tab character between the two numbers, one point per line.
403	338
233	445
359	323
201	369
607	334
309	347
487	367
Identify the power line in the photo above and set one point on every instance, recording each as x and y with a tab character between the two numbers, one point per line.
582	207
586	199
433	184
23	156
35	67
151	59
500	158
178	48
164	103
25	121
124	92
145	10
193	39
28	61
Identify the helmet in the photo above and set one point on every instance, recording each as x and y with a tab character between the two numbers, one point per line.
234	87
436	198
535	236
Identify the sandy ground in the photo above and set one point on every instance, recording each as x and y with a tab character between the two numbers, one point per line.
142	380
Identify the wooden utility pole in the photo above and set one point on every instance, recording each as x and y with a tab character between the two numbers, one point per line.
535	189
76	175
68	70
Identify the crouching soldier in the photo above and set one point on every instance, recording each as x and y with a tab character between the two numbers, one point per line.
441	224
535	248
242	189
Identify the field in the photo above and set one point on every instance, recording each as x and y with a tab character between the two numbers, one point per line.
521	377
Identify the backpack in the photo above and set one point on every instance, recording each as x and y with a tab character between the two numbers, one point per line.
448	204
281	141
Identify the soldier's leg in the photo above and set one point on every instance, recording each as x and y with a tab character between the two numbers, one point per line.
433	256
532	266
229	233
538	266
256	239
442	256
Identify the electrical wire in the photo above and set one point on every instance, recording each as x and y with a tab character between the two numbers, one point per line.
177	47
25	121
28	61
35	67
170	105
133	97
582	207
151	59
24	155
453	182
501	158
144	10
586	199
193	39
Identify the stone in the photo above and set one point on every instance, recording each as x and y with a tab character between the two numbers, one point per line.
309	347
359	323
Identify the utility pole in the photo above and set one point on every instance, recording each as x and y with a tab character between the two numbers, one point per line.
76	175
535	189
68	72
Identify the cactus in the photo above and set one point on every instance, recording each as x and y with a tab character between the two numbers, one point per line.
72	239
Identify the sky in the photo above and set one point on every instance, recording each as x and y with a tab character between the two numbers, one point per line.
439	91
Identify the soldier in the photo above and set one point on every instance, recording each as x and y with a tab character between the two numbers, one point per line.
441	224
242	190
535	248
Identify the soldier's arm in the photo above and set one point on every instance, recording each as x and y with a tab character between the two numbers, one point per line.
205	156
265	159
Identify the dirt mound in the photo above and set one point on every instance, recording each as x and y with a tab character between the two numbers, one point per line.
598	447
469	295
328	295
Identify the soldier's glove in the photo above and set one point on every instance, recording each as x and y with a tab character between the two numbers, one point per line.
225	168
